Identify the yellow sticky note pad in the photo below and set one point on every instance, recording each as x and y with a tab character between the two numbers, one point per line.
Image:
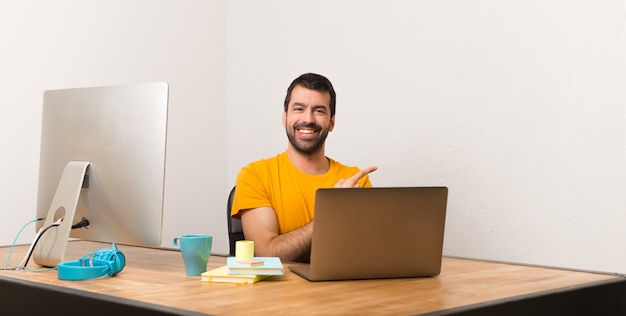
244	250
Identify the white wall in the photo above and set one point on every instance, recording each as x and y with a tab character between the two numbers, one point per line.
72	43
517	106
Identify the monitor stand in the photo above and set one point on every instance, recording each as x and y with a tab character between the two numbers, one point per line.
50	247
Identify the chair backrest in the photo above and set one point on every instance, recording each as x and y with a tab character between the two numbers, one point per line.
235	230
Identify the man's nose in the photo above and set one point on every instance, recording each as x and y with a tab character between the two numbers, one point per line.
308	116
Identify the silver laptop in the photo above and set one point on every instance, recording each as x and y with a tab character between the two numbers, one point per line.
373	233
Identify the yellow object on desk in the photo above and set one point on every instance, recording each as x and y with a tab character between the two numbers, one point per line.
244	250
220	275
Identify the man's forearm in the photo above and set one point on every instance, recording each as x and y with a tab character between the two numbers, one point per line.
294	245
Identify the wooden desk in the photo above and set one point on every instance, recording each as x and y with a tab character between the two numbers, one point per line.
154	282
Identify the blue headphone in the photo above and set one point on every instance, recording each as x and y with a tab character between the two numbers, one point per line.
103	262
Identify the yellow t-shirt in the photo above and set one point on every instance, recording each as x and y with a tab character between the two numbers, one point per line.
277	183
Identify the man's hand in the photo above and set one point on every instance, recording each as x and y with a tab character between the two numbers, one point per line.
353	182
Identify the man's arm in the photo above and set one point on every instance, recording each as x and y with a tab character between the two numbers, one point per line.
261	226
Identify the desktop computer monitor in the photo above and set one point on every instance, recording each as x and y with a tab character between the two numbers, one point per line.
102	159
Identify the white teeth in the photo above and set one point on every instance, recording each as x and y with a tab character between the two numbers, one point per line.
306	131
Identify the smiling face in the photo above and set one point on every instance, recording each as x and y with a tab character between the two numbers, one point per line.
308	120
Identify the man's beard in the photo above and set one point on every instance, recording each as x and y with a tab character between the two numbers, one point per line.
309	146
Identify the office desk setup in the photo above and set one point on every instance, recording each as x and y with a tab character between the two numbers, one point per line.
153	282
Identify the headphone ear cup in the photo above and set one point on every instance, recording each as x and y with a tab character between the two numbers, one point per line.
120	259
112	256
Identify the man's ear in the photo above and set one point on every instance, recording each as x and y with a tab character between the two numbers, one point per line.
332	124
284	119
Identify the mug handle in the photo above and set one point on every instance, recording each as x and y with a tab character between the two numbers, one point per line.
175	243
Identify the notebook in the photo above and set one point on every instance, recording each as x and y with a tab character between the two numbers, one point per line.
373	233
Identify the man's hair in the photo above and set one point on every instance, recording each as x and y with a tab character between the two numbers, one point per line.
313	82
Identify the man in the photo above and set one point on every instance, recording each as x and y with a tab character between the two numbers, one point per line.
275	197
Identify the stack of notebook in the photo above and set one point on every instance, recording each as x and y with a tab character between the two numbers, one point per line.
245	271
